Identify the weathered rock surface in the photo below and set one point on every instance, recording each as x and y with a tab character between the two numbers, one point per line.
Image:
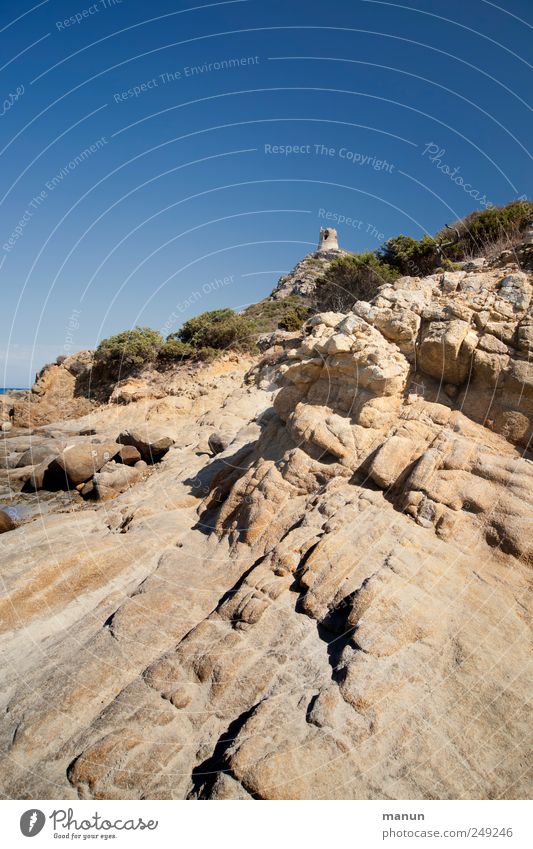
303	278
56	392
335	606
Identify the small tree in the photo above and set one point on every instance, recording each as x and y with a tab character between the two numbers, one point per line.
128	351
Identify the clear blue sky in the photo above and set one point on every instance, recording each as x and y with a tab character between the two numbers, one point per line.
121	207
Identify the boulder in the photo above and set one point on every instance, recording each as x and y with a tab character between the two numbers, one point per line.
6	427
152	443
451	279
78	463
492	345
283	338
129	455
516	289
446	350
6	522
328	319
392	459
113	480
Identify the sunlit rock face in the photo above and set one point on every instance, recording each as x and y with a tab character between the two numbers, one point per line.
330	602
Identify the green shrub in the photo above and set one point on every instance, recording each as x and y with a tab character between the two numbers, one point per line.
219	329
266	316
413	257
173	350
352	278
128	351
294	318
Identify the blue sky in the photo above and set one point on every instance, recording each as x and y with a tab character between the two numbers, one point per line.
163	159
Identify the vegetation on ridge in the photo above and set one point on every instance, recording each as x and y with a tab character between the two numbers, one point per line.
349	278
358	276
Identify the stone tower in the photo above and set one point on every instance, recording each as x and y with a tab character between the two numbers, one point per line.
328	239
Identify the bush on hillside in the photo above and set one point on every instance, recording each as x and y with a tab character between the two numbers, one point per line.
352	278
174	351
294	318
128	351
481	231
219	329
269	315
412	257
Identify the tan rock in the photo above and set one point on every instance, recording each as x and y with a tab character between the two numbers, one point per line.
152	443
114	479
445	351
77	463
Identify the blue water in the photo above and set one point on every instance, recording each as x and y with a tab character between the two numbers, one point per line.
12	389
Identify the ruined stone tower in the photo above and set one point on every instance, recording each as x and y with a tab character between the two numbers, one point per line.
328	239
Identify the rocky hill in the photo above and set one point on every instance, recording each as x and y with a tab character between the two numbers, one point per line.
302	280
314	585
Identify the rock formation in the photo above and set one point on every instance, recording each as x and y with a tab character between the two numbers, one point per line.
303	278
331	601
